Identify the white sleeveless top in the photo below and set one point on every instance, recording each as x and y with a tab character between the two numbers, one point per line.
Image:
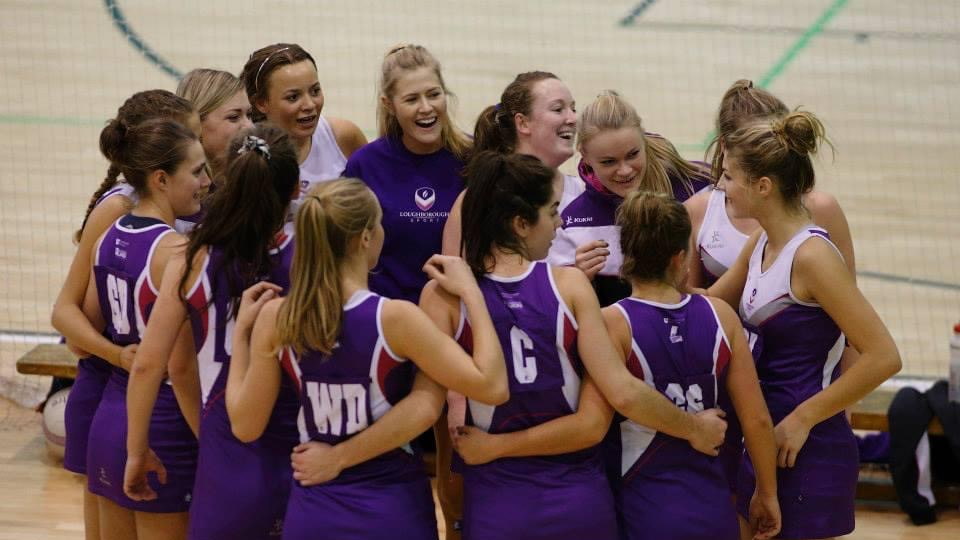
324	162
769	290
719	243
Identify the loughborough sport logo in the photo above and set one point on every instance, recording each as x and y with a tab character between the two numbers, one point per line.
425	198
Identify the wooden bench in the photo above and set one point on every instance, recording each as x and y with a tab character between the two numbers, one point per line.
875	484
871	413
49	359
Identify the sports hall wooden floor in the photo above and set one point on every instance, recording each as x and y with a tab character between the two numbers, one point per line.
41	501
882	74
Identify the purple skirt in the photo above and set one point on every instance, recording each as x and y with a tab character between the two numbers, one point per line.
817	494
391	507
92	376
170	438
534	498
241	489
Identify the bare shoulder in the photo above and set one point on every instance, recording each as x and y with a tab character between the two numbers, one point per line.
348	135
728	318
103	215
697	205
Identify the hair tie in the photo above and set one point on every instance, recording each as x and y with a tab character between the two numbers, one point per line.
496	107
256	80
252	142
749	83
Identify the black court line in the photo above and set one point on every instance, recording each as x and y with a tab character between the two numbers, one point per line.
859	35
893	278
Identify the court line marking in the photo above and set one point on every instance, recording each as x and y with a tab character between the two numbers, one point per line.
34	120
791	53
636	12
120	21
23	337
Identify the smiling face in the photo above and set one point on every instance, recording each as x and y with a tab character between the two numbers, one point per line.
549	131
618	157
420	106
537	237
188	183
294	99
222	123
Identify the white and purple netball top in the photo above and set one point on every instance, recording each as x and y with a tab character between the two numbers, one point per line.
122	272
538	335
343	393
573	186
325	161
802	345
719	243
209	304
681	351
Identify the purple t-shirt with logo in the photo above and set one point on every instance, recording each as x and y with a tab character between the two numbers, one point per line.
416	193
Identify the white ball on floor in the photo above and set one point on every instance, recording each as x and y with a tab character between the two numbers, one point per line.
54	429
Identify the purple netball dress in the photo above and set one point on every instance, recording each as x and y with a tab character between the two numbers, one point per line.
666	488
241	489
127	294
92	376
341	394
801	353
545	497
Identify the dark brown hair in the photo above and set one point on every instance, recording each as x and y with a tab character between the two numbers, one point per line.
256	72
502	186
142	106
246	212
158	144
495	129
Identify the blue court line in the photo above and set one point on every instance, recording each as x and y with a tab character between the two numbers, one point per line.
120	21
636	12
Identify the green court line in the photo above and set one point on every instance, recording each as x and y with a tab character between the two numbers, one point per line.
787	58
31	120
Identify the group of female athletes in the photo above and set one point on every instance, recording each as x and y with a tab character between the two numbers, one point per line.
655	348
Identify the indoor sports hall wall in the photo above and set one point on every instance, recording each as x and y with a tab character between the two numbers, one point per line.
882	74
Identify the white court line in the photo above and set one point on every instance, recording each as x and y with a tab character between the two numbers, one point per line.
896	383
28	338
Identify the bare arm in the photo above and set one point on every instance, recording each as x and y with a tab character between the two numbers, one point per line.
744	389
820	274
582	429
253	382
696	207
184	375
68	316
451	229
729	287
826	212
150	365
412	334
315	463
606	364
